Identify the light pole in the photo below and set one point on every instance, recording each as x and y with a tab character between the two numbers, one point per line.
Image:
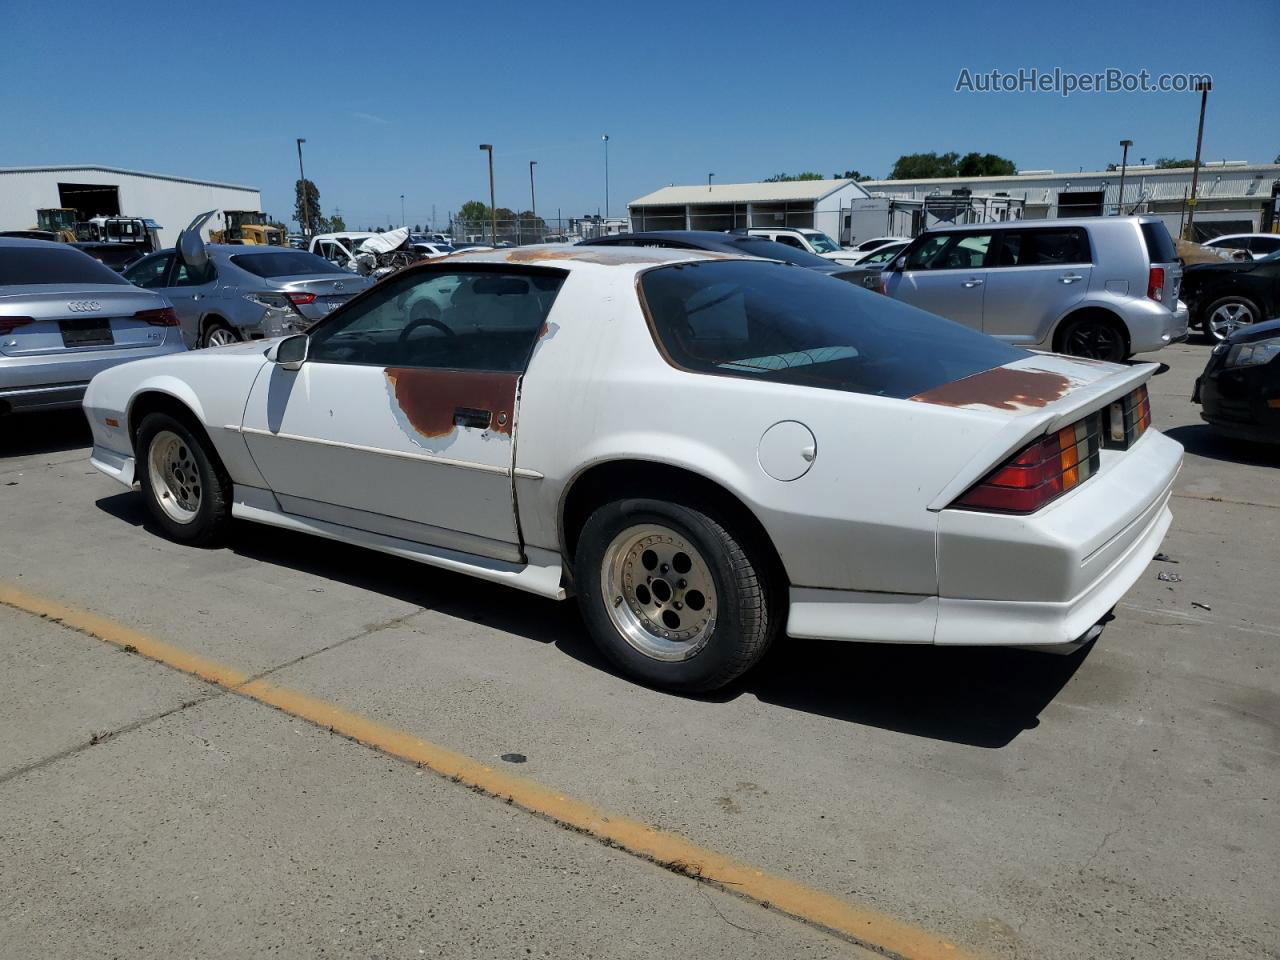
493	208
1124	162
1204	86
402	209
709	176
533	200
306	194
605	138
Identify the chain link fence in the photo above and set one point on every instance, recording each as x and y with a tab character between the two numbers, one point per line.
523	230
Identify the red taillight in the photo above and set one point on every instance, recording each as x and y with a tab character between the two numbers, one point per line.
161	317
1155	284
1040	471
9	324
301	299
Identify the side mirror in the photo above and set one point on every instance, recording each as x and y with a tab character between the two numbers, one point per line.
898	265
291	352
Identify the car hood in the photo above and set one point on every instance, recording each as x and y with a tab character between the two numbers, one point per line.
1256	331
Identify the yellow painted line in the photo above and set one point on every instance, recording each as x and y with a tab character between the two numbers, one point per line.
863	925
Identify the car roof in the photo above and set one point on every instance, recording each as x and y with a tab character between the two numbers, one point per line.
571	256
1237	236
1043	223
38	244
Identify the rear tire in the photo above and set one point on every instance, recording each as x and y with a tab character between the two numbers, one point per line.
1096	338
187	490
672	596
217	334
1226	315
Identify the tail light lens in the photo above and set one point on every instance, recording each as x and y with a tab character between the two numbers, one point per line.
1128	419
301	299
162	317
1040	472
9	324
1155	284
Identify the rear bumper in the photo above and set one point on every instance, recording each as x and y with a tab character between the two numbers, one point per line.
32	399
58	380
1152	325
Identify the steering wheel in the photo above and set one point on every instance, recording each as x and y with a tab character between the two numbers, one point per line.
413	325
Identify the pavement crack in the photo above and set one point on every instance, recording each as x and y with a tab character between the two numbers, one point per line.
1238	503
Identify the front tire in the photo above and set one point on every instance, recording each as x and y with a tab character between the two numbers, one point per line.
672	595
1226	315
187	490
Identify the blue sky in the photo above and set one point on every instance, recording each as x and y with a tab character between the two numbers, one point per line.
395	97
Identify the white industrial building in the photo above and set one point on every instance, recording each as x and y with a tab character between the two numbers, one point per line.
170	201
1231	196
726	206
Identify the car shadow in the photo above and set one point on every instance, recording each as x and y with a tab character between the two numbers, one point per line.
26	434
1202	440
983	697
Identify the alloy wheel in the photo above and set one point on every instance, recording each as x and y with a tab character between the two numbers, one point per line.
174	476
659	592
219	337
1095	341
1228	318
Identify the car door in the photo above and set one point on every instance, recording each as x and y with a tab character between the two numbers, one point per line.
191	290
946	275
1036	275
402	419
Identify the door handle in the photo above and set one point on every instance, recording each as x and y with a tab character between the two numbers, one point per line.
1070	278
973	282
471	417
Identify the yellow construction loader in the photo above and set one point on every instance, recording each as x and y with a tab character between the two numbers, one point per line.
247	227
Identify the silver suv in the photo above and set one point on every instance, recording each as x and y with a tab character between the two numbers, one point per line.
1104	287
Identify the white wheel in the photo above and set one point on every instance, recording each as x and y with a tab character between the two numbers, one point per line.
175	477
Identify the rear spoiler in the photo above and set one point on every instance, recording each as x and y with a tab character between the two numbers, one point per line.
1081	401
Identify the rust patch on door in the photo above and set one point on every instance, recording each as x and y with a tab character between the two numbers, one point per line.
429	399
1003	388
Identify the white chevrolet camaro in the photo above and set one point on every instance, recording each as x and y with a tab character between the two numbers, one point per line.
707	450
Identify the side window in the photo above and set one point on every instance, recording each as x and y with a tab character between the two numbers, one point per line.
149	272
966	253
459	320
928	249
186	276
1233	243
1264	245
789	240
1042	248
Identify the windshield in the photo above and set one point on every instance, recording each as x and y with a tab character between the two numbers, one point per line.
293	263
822	243
770	250
772	322
884	254
54	264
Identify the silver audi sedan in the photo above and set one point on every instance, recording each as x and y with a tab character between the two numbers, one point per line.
65	317
233	293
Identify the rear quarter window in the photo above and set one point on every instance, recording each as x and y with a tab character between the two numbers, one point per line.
785	324
1160	248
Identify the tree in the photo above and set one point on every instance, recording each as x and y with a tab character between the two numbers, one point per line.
306	205
474	210
928	166
1170	163
337	224
786	177
852	175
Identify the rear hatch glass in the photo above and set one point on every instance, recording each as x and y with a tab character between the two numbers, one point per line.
768	321
1160	248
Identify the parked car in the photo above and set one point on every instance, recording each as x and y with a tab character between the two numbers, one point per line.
867	270
64	317
709	450
804	238
340	249
877	243
1256	245
1223	297
1239	391
1100	287
432	248
117	256
725	243
224	293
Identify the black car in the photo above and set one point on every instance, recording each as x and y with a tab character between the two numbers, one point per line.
117	256
1223	297
728	243
1239	391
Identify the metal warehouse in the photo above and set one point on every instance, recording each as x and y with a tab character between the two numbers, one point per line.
95	190
1231	196
726	206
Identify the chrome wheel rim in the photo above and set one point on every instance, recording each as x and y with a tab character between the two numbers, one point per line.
659	592
219	337
175	477
1229	318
